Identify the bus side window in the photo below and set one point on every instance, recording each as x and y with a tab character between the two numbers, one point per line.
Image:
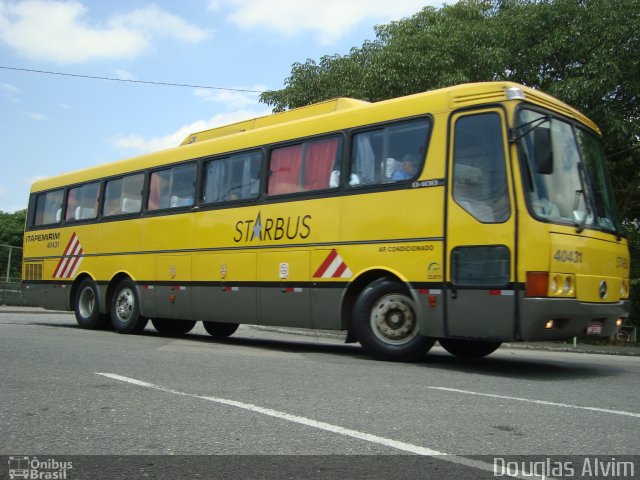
284	170
82	202
389	154
320	161
172	187
48	208
232	178
305	167
123	195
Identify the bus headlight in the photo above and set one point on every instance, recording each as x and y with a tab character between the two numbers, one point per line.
545	284
624	288
562	285
567	286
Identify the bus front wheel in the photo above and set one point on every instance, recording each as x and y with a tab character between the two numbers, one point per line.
125	309
170	326
219	329
386	324
468	348
86	307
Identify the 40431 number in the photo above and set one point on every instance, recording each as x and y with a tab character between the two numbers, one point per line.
568	256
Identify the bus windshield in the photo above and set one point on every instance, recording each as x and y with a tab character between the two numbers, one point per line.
566	181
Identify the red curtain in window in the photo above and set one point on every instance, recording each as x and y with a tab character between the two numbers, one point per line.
320	157
284	170
71	205
154	192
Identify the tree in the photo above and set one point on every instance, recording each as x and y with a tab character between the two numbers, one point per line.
12	227
584	52
11	233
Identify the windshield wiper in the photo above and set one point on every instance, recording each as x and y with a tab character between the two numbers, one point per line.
581	222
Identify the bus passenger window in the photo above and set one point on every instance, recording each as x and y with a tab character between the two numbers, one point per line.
48	208
389	154
479	172
305	167
82	202
123	195
320	163
173	187
232	178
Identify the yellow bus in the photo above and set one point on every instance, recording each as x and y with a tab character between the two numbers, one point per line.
471	215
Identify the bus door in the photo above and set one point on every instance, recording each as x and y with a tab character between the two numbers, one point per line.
480	238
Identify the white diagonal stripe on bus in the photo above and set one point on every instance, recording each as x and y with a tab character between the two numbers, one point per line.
73	265
328	427
75	269
65	265
62	265
71	260
62	261
331	269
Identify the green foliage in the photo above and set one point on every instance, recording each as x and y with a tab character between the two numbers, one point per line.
585	52
11	232
12	227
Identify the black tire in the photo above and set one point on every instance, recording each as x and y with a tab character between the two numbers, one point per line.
87	308
172	327
469	348
219	329
386	324
125	309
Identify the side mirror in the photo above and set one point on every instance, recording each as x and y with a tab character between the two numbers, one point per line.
543	150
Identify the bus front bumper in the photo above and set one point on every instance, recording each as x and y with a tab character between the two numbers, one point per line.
559	318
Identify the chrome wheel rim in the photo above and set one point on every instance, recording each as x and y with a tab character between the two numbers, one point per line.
125	303
87	302
393	319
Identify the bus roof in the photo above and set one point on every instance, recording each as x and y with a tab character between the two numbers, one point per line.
332	114
266	121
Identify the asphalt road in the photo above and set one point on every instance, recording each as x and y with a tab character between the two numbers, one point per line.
66	391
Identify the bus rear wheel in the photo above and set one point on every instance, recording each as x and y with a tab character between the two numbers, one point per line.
125	309
468	348
86	307
386	324
170	326
219	329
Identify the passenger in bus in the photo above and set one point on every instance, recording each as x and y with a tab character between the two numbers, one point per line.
407	169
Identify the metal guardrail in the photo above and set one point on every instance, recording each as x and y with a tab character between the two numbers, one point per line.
11	294
10	264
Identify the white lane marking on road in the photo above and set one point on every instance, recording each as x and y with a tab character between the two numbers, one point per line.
387	442
538	402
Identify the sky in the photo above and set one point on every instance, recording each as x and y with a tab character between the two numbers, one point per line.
51	124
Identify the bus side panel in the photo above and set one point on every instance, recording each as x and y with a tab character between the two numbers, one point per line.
284	297
325	308
224	288
173	290
430	306
48	295
474	319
